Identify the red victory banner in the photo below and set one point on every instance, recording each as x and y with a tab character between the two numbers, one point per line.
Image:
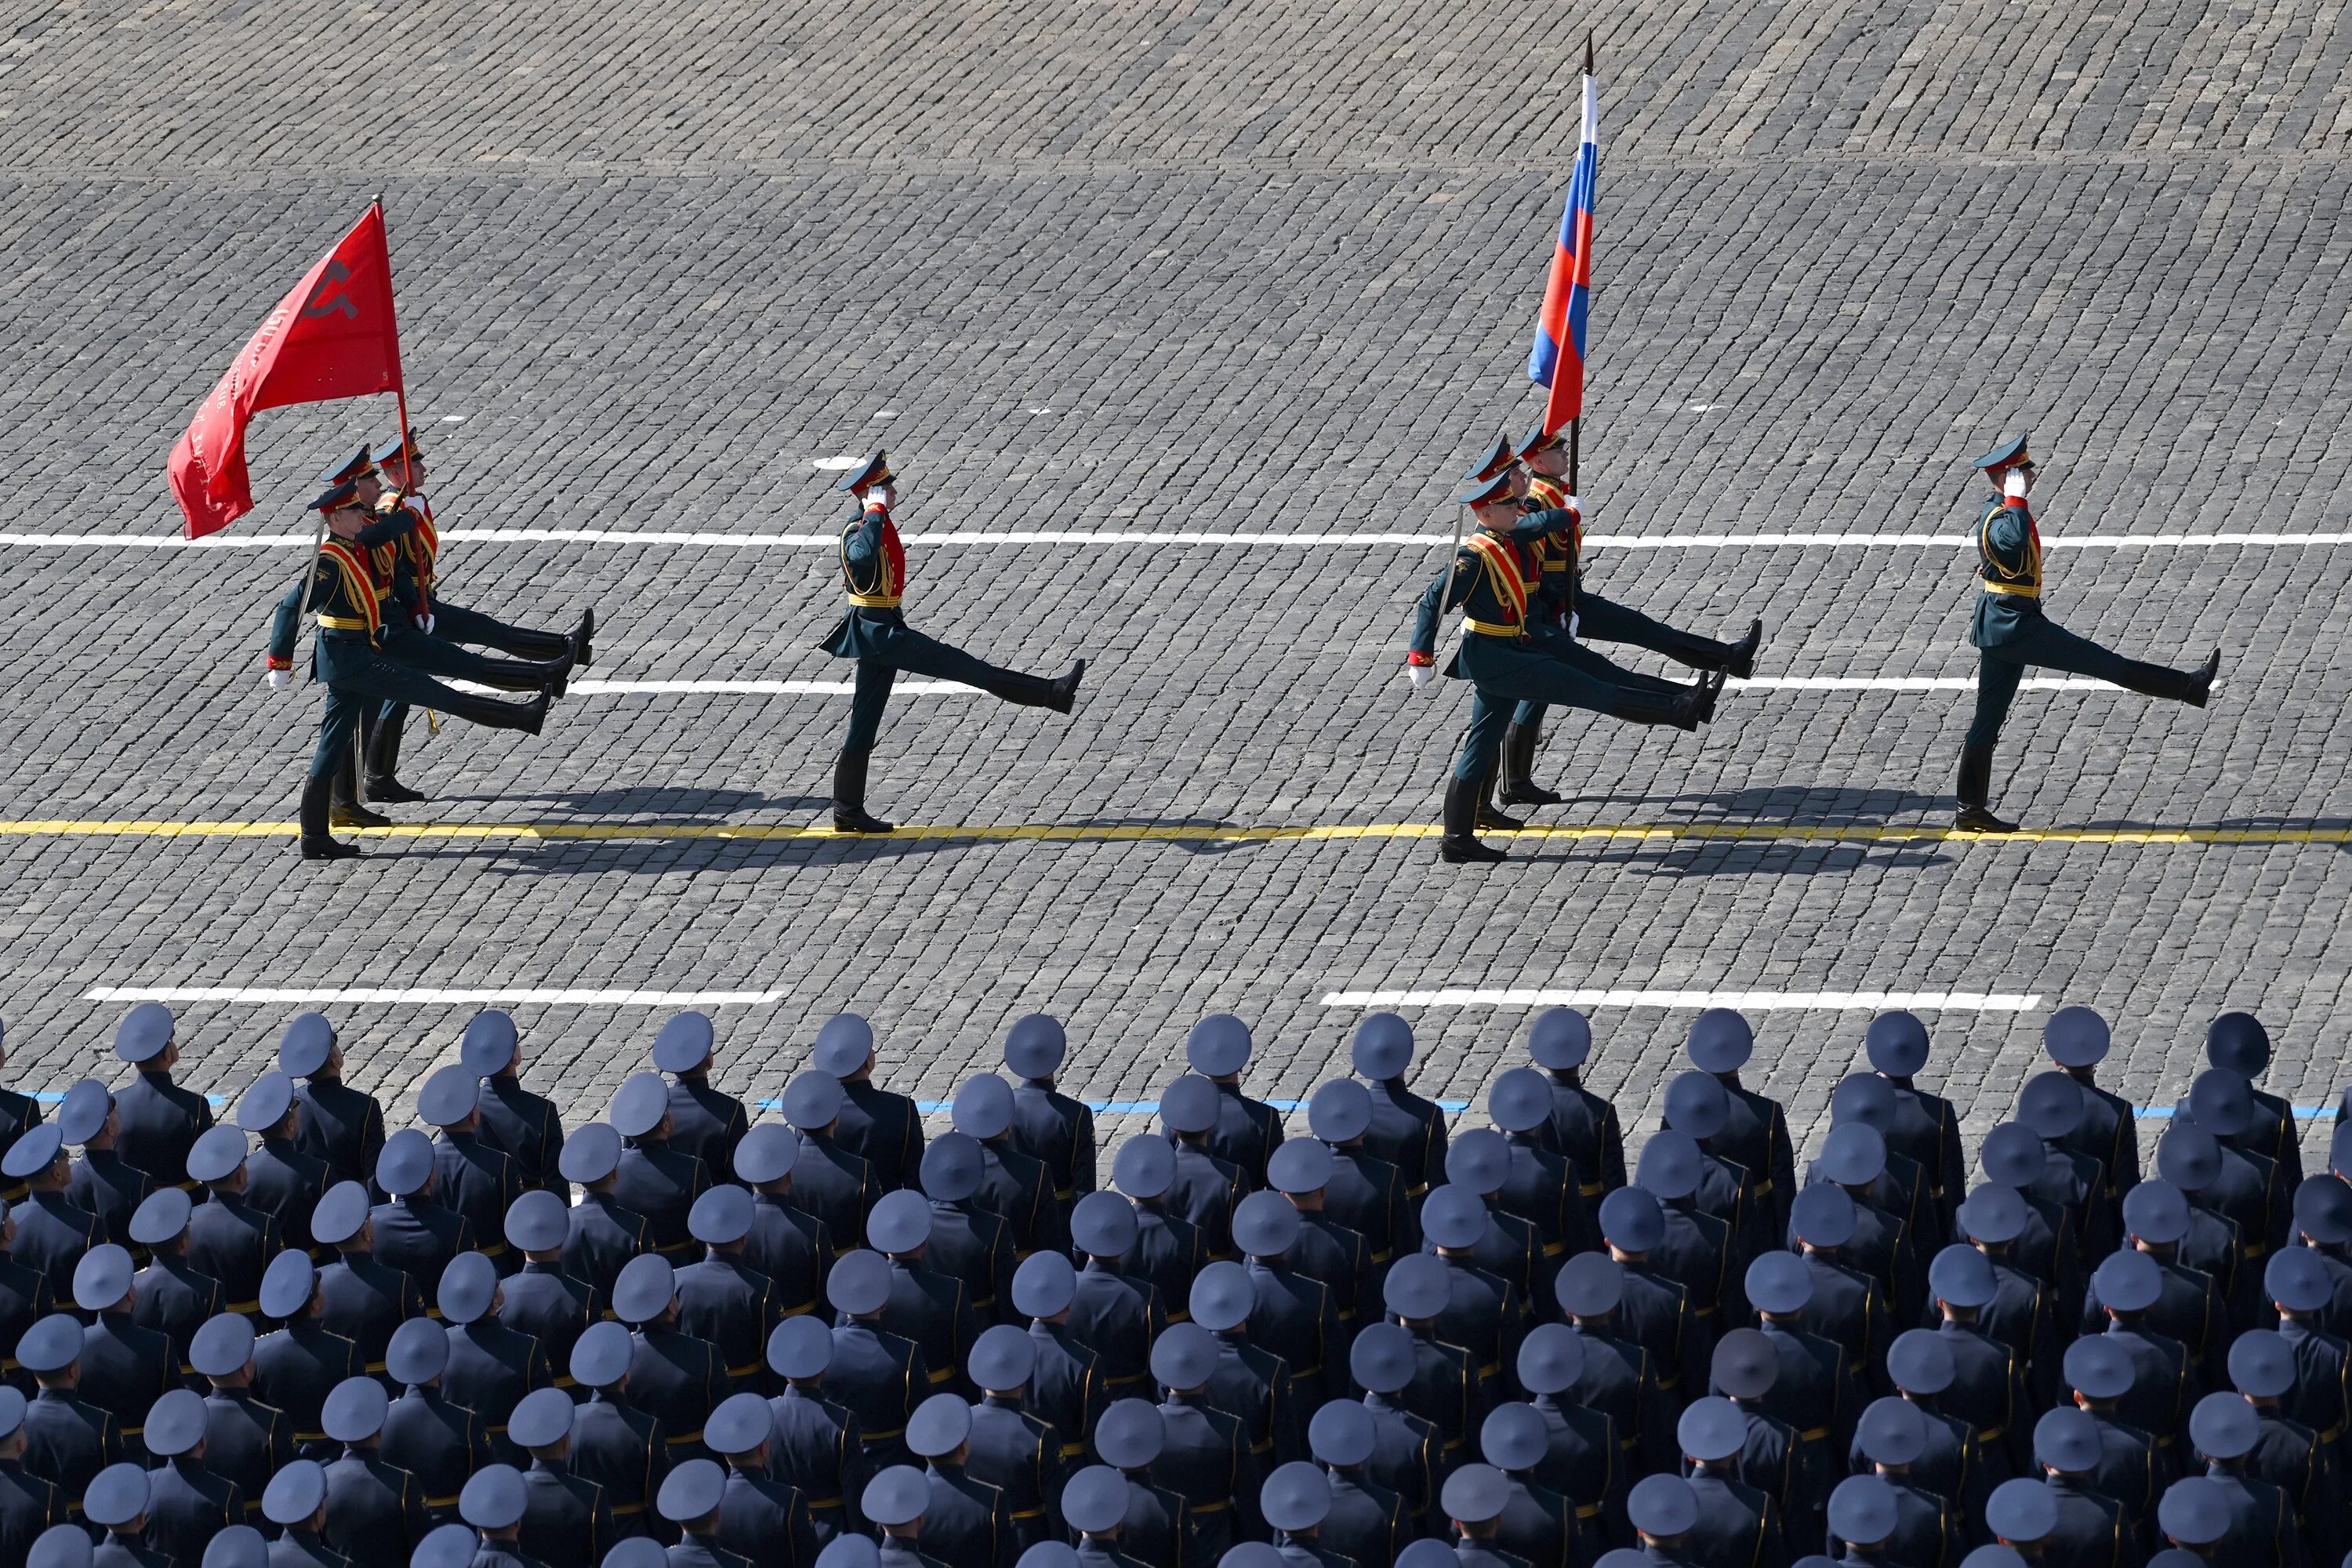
332	336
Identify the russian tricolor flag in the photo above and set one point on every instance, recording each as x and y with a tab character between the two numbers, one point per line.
1558	359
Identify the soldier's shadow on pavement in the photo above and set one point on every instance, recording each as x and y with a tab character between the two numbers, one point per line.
1786	806
650	800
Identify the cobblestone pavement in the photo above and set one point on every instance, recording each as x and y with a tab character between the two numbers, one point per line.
1132	268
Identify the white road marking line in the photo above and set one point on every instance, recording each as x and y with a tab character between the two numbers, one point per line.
749	687
1744	1001
482	996
836	465
1114	536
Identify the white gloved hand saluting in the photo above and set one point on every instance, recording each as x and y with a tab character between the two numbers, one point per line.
278	679
2012	485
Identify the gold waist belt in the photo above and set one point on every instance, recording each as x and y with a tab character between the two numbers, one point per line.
874	601
2015	590
1494	628
343	623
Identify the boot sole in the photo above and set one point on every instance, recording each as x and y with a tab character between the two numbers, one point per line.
338	852
863	829
1479	857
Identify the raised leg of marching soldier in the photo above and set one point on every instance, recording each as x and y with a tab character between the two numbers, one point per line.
1518	786
1606	621
431	654
457	623
2012	631
874	634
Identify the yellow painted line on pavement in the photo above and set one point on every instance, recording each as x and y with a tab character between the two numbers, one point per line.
1187	834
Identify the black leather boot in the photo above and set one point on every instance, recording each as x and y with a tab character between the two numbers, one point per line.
2201	681
1974	792
1741	661
1518	787
582	654
529	717
383	782
1460	846
548	675
1035	691
1489	816
849	813
317	842
343	808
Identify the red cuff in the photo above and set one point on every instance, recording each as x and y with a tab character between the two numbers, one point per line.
274	662
1421	659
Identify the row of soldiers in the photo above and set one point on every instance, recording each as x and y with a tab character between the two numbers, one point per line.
831	1341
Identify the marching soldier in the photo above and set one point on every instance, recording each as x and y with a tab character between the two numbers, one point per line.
1157	1529
1301	1171
1563	603
351	659
415	587
157	1121
2077	1039
341	1125
1735	1522
1490	578
875	633
704	1121
881	1128
1047	1124
100	1183
1926	1127
1296	1315
522	1125
2010	630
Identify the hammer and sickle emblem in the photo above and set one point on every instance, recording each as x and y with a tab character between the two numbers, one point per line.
328	298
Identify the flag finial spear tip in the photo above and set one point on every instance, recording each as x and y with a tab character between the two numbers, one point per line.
1588	54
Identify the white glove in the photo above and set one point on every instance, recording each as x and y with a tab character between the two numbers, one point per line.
1418	674
278	679
1575	625
1573	504
2012	485
423	621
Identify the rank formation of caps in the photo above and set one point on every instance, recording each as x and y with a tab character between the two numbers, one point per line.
1280	1324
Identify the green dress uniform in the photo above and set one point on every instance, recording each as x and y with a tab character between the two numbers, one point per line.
2010	630
1489	580
1563	612
354	660
415	587
875	633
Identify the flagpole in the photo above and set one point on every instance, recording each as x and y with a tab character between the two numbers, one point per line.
1575	426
